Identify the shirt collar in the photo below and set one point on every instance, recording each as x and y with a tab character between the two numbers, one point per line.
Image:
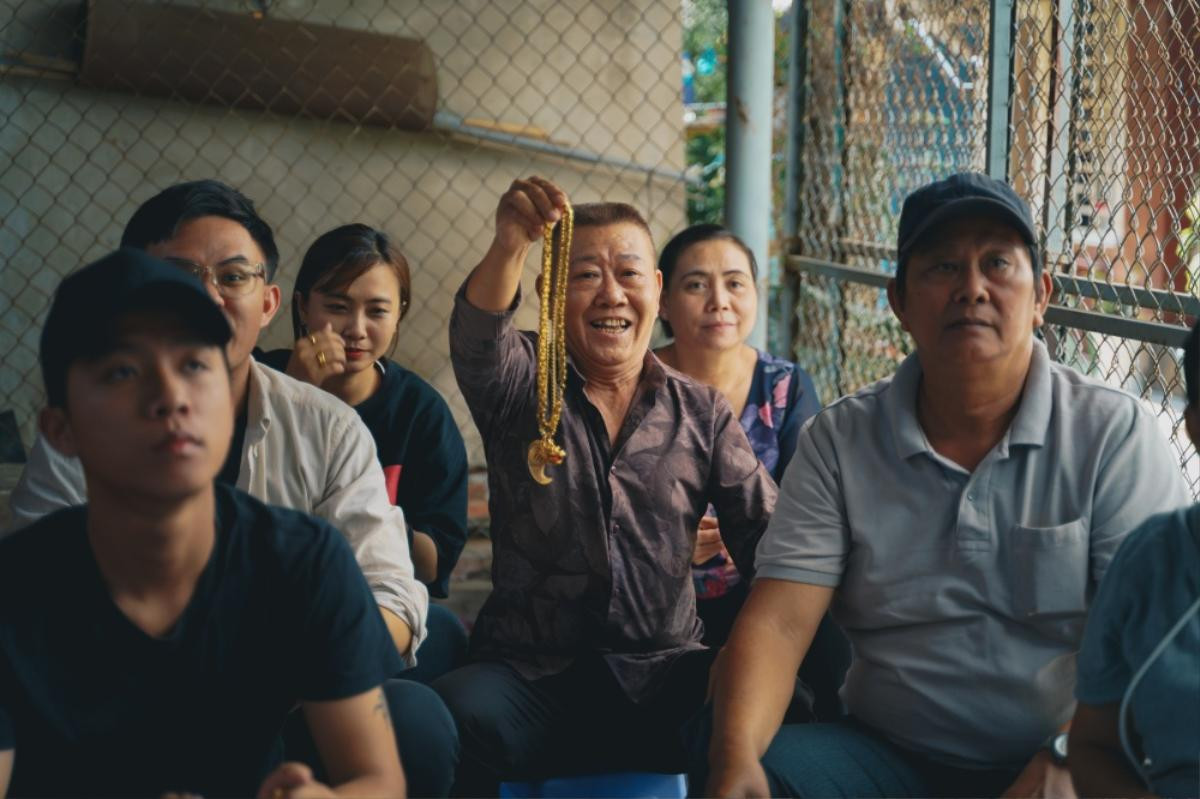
1037	402
900	405
258	417
1028	427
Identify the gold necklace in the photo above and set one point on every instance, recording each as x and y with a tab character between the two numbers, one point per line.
551	347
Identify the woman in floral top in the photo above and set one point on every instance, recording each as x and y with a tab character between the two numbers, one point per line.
709	304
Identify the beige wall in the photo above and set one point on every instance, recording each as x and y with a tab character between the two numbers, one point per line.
75	163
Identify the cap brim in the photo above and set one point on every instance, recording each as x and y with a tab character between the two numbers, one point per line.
973	206
198	311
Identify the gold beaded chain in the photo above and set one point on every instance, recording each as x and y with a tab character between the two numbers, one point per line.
551	347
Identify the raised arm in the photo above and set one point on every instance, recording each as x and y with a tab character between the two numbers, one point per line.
755	678
523	211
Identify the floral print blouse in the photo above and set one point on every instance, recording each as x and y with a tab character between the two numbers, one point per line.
781	400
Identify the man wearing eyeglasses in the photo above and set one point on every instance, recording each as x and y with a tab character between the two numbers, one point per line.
294	445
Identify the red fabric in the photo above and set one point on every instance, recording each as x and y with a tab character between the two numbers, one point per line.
391	476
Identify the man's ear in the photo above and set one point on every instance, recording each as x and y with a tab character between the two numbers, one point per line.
271	300
1191	420
897	303
1043	291
56	428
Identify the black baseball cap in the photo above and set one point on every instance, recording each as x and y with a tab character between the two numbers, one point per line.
88	304
964	194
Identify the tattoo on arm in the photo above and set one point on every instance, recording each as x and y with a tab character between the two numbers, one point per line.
381	707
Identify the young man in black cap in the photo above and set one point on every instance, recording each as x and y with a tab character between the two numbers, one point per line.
294	445
155	639
959	516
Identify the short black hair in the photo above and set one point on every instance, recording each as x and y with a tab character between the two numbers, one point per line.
160	217
684	239
1191	366
339	257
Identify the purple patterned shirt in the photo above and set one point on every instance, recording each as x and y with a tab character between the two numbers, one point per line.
599	561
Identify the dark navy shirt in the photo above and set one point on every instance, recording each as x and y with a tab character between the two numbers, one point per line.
93	706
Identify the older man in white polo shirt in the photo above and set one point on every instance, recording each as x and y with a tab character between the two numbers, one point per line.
959	517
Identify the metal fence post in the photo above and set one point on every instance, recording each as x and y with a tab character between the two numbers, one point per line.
748	135
797	103
1000	67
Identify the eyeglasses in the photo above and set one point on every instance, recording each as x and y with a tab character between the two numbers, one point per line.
231	280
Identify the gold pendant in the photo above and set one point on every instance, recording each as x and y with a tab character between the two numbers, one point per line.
543	453
536	458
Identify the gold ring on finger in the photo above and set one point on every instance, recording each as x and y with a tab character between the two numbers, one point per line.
320	358
313	338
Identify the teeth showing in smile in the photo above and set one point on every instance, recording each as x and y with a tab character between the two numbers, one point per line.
611	325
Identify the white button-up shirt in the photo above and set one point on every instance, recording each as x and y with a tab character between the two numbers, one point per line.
964	593
305	449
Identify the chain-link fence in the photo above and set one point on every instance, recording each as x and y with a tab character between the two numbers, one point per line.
409	115
1095	120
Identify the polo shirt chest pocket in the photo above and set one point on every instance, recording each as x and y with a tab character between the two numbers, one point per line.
1048	569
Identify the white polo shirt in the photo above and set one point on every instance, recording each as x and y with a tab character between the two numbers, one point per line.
306	450
964	593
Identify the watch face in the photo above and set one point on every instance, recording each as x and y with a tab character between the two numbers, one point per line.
1060	746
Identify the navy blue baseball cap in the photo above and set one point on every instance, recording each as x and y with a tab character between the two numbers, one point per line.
88	303
964	194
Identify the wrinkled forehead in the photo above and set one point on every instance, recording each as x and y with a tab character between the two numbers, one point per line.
605	242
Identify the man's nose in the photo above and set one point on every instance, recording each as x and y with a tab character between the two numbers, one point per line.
972	285
166	393
610	292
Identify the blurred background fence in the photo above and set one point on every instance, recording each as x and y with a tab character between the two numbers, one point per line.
1090	107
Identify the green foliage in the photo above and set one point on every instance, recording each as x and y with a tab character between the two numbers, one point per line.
705	26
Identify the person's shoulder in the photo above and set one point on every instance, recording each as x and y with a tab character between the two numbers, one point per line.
410	389
696	396
775	369
44	546
849	410
1073	389
1163	542
287	395
276	359
287	533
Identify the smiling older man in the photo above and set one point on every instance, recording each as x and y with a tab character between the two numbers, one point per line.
588	649
959	516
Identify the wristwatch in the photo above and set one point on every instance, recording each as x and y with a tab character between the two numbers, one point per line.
1056	745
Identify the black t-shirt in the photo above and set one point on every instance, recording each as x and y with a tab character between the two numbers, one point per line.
93	706
422	454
